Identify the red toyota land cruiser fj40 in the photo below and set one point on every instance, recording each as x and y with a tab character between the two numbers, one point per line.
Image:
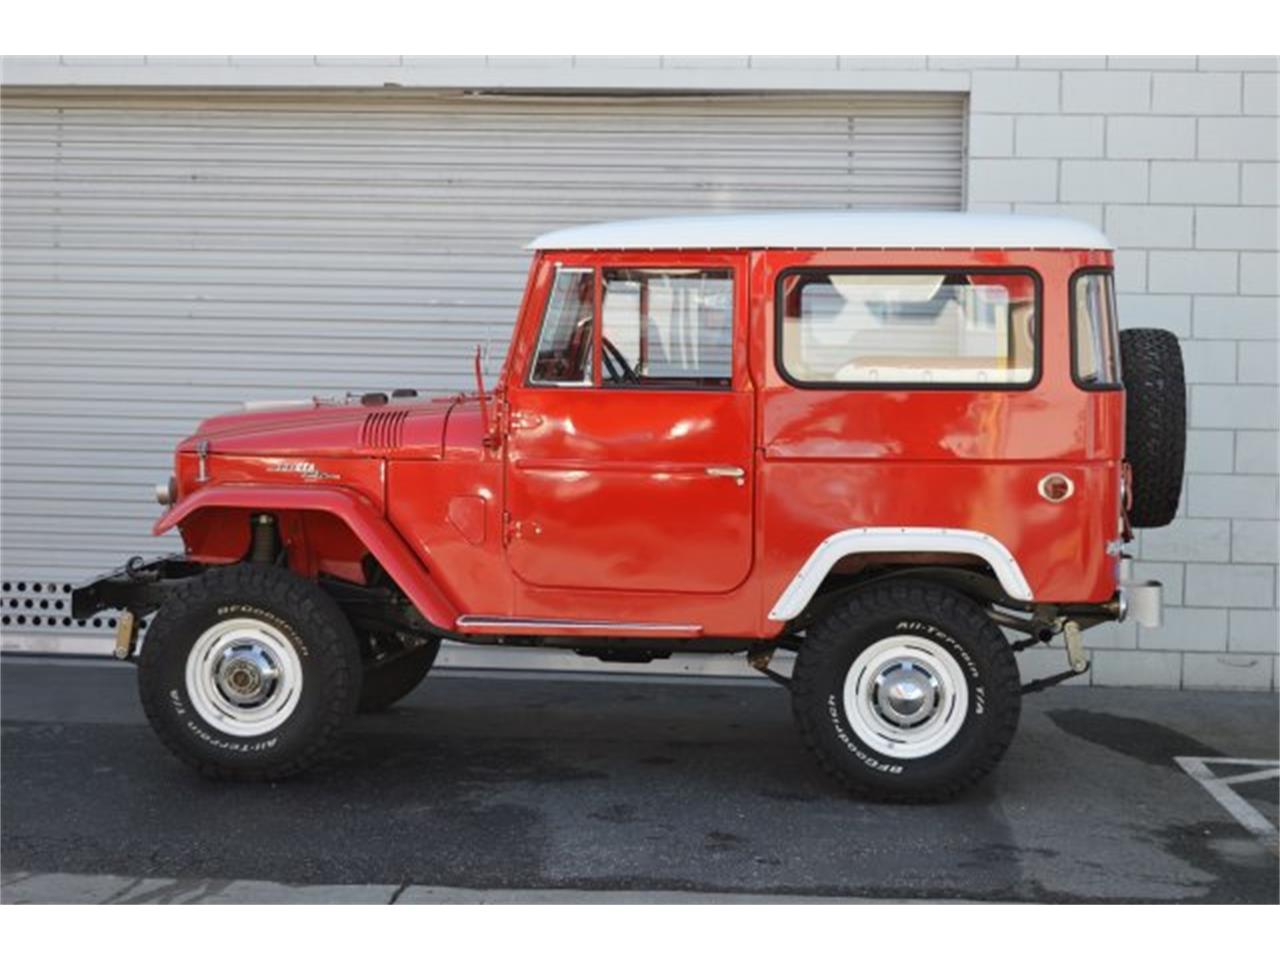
899	445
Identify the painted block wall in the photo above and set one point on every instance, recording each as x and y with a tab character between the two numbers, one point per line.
1176	160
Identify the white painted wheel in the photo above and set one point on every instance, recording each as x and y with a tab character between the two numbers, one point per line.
906	696
244	678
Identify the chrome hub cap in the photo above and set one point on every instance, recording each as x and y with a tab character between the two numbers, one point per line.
246	674
243	677
906	696
905	693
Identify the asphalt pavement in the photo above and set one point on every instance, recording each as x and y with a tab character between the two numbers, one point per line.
508	787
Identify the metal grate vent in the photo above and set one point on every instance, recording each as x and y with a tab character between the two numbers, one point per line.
384	430
42	608
41	605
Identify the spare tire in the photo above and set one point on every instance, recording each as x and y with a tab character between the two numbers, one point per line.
1155	423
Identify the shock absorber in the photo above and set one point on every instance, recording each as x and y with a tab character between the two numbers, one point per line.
265	545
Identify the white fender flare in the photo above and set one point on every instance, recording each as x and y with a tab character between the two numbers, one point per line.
898	540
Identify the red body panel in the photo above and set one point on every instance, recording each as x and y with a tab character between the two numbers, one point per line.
600	491
451	516
216	505
959	458
619	505
316	430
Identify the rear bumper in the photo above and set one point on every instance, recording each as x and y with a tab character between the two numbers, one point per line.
139	586
1141	601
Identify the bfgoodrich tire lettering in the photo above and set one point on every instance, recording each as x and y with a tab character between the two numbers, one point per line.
294	611
951	642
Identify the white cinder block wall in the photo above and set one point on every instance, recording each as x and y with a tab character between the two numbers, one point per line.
1174	157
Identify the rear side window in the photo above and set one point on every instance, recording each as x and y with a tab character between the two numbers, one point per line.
908	329
563	356
1094	345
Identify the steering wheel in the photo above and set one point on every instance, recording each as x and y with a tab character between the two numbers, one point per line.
610	354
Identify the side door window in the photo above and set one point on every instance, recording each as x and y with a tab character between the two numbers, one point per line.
667	328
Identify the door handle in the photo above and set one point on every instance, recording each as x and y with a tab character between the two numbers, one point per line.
735	473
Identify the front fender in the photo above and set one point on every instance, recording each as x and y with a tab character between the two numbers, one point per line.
354	510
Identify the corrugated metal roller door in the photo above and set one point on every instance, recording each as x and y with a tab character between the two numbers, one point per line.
166	256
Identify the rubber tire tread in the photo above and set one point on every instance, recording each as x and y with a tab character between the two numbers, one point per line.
830	640
312	612
386	684
1155	423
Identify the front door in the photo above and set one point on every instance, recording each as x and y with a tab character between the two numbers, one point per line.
629	449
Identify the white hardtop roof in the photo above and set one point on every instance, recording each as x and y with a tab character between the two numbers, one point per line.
834	230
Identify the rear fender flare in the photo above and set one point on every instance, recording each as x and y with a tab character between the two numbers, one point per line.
856	540
361	518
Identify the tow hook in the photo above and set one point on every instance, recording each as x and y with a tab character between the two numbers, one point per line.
1077	659
126	635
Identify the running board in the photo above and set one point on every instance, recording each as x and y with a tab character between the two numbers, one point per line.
527	627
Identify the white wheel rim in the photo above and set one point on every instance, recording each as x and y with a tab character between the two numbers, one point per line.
243	677
906	696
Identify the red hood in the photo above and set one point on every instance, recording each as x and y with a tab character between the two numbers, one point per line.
414	429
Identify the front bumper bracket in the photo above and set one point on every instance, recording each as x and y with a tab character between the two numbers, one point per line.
139	586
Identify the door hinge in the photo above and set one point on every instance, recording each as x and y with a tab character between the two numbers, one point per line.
497	425
513	529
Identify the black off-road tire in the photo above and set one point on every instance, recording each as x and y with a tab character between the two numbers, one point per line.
305	616
387	683
1155	423
953	623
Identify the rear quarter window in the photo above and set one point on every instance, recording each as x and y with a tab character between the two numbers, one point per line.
1095	349
911	329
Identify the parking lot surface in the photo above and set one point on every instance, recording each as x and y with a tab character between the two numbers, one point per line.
539	788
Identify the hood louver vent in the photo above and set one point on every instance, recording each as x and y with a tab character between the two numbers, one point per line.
384	430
